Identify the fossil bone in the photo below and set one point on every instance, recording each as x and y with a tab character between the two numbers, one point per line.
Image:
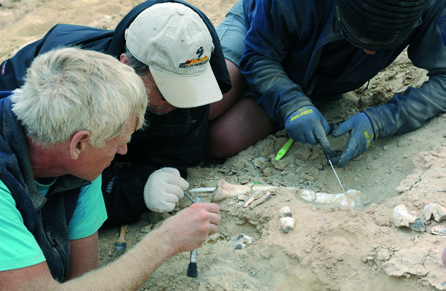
261	199
343	199
251	198
227	190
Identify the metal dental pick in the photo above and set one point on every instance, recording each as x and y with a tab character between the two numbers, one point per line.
331	165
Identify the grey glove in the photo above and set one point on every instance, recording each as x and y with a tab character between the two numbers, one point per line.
163	189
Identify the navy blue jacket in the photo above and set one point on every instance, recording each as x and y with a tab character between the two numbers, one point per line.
295	52
47	218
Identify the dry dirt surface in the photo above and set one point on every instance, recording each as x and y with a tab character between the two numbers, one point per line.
354	244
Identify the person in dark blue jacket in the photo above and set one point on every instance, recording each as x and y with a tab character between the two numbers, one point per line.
299	53
174	48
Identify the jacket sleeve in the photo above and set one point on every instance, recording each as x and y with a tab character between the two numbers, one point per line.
410	110
272	29
13	70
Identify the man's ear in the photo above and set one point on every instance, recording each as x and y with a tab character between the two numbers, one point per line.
78	143
124	58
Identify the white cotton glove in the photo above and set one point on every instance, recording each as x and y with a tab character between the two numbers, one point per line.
163	189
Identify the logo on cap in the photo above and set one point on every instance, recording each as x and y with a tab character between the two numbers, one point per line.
195	61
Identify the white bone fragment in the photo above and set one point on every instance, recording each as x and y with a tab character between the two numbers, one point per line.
287	224
343	199
251	198
285	212
241	197
226	190
402	217
262	199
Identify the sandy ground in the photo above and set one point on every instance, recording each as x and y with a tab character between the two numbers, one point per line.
336	246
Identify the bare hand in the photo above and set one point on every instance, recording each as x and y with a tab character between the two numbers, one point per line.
189	229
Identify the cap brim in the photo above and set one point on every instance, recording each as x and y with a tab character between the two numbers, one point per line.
188	91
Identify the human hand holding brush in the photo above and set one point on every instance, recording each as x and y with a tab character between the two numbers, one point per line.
192	267
183	232
191	227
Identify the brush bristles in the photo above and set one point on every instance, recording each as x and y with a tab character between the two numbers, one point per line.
119	249
192	270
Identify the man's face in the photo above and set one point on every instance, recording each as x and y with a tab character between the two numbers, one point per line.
93	161
157	104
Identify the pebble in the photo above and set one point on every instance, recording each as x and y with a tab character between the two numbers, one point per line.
383	255
305	154
260	162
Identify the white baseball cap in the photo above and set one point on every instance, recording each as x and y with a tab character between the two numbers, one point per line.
175	43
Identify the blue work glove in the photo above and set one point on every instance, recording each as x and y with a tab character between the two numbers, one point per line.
307	125
361	136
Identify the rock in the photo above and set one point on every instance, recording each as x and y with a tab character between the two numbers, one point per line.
383	255
419	225
401	216
260	162
435	210
242	241
305	154
382	220
287	224
407	262
147	228
280	164
268	151
285	212
268	172
439	230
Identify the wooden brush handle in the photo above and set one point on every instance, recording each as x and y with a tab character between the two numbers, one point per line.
121	237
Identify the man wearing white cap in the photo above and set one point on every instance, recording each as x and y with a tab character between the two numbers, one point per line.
174	48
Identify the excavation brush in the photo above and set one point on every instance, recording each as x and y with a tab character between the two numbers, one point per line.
120	244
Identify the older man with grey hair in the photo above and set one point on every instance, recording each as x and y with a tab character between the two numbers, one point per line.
76	110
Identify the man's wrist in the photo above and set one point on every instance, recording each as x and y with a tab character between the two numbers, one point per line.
161	242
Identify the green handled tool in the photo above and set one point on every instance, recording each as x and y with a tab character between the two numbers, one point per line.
284	149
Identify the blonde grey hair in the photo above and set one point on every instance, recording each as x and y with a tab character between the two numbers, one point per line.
68	89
